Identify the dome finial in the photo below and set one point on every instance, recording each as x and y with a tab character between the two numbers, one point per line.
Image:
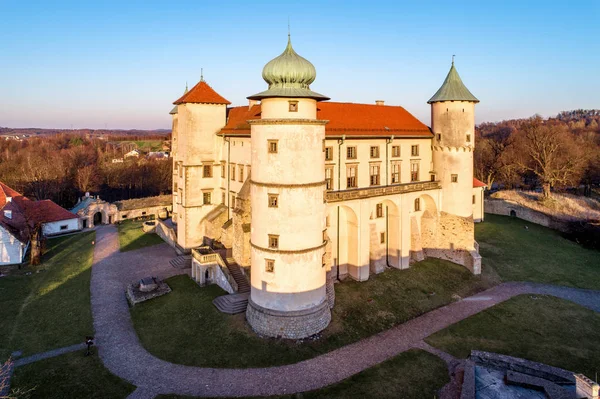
453	55
202	74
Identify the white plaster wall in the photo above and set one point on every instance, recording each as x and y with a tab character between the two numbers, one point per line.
11	249
54	227
478	208
197	126
278	108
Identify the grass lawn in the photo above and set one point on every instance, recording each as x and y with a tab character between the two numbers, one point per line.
540	328
535	254
166	324
414	374
132	237
149	145
70	376
51	308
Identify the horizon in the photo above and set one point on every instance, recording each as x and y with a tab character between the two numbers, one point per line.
105	65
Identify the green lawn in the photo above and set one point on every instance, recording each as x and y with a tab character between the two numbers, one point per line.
535	254
132	237
540	328
414	374
51	308
70	376
149	145
166	324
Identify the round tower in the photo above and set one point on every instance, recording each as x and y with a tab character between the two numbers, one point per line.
453	126
288	297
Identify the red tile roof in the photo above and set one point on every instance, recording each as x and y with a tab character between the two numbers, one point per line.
46	211
478	183
202	93
344	118
7	192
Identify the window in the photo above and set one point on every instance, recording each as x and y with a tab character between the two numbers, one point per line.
232	205
454	178
223	170
374	172
232	176
414	150
473	199
414	171
175	186
273	198
206	198
241	173
180	170
124	216
351	176
351	153
418	204
468	138
328	153
64	227
439	137
269	265
432	177
272	146
143	213
379	210
395	150
273	241
293	106
8	214
207	171
329	178
395	172
382	238
248	171
375	152
222	198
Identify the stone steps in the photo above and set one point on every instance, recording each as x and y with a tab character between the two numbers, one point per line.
232	303
238	276
182	262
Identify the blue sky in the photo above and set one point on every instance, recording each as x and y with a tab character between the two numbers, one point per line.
122	64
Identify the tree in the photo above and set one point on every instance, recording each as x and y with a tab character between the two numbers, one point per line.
87	178
550	153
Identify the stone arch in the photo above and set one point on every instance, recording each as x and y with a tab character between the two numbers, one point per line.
98	218
386	253
347	241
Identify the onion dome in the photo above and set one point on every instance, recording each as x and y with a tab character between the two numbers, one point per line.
453	89
289	75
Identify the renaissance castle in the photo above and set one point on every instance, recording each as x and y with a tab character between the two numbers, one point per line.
306	191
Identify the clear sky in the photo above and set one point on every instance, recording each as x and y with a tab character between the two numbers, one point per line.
123	63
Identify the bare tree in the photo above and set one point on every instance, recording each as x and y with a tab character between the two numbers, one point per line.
86	178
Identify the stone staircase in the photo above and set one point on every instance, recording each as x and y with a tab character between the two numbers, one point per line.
182	262
232	303
238	276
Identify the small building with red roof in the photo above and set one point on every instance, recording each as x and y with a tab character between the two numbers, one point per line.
478	191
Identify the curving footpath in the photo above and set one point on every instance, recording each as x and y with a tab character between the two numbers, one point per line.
122	353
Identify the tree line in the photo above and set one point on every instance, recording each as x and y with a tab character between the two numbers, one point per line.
554	153
63	167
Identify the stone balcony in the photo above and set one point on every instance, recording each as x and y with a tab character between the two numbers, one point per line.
378	191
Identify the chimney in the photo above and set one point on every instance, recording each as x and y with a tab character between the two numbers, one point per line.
379	102
252	103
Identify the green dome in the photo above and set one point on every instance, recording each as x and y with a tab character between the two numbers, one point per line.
289	75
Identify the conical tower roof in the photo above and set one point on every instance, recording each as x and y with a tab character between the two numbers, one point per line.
202	93
453	89
289	75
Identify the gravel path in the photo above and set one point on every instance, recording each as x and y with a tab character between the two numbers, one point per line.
123	354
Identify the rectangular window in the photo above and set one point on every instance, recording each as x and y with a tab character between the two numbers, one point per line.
293	106
414	150
432	177
439	137
206	198
272	146
248	171
273	198
273	241
328	153
241	173
143	213
382	238
222	198
223	171
468	138
351	176
473	199
395	150
454	178
269	265
207	171
64	226
374	172
375	152
414	171
232	205
417	204
329	178
379	210
395	172
351	153
232	172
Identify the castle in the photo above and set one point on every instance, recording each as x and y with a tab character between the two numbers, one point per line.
305	191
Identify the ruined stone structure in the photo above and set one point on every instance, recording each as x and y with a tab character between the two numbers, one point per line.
305	191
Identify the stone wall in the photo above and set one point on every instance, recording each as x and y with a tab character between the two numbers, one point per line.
241	231
166	233
510	208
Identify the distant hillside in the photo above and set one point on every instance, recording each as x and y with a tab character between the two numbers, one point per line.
37	132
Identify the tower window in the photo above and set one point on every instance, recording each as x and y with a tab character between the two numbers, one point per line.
379	210
454	178
273	200
414	150
473	199
273	241
351	153
439	137
328	153
375	152
468	138
417	204
293	106
207	171
382	238
206	198
272	146
395	150
269	265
